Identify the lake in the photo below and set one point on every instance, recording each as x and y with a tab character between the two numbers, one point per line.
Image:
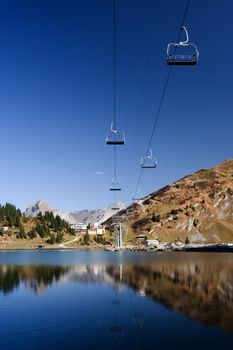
109	300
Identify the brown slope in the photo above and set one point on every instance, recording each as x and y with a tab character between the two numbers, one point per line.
198	206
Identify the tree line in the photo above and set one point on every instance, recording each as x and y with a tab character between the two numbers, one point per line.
52	227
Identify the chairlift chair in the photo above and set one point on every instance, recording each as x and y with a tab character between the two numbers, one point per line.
115	207
115	137
149	161
137	196
115	186
183	52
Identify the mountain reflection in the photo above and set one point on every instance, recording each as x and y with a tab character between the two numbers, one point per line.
200	288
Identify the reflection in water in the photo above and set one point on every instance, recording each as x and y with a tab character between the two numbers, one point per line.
9	278
203	289
200	288
36	278
116	329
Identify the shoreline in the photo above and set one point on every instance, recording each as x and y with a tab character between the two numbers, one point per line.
215	248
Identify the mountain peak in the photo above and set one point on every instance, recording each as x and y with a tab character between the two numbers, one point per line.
84	216
39	206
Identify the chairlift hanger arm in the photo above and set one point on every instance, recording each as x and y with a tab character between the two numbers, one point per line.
187	36
113	127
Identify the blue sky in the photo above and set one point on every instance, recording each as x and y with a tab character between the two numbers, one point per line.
56	97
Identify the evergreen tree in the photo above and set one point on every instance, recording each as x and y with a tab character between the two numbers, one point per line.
10	215
21	234
41	230
32	234
71	231
52	239
86	238
59	237
39	215
17	222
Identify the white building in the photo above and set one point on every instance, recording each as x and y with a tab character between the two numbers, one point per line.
79	227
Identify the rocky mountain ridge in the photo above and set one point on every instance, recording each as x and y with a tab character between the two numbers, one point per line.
198	207
84	216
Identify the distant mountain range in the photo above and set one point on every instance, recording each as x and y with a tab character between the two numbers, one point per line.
85	216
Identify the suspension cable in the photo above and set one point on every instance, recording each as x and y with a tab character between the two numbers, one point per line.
162	98
114	64
114	84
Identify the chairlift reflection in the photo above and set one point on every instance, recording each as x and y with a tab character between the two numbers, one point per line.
139	319
116	329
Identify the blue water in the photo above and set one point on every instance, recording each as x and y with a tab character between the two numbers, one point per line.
90	300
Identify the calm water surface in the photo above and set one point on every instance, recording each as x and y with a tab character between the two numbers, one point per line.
105	300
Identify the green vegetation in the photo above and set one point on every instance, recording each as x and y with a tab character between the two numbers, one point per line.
52	239
10	215
54	223
21	234
59	237
155	218
86	238
32	234
53	227
43	226
99	239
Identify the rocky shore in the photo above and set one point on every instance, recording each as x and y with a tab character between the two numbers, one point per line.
163	247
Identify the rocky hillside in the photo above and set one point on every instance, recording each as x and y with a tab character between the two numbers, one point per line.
85	216
198	206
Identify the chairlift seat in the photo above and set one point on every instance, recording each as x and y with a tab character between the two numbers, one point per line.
136	196
148	163
182	60
115	138
115	186
136	199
